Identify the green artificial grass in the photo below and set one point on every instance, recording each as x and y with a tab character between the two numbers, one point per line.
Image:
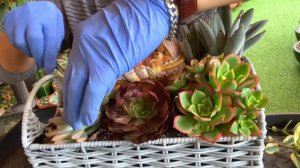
273	56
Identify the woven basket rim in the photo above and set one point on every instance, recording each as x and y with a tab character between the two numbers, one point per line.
169	140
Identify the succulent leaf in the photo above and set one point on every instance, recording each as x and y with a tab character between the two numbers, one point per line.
228	85
272	148
250	82
198	97
247	17
185	99
295	157
245	132
255	131
186	48
222	70
184	124
234	128
254	28
212	136
221	42
214	81
235	25
177	84
218	25
235	42
228	112
289	140
209	37
297	135
232	59
218	101
253	40
225	15
241	72
193	40
185	32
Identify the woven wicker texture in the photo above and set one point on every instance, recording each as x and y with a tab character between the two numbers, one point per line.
175	152
164	152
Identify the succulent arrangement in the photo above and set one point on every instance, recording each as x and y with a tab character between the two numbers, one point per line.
291	141
176	89
218	93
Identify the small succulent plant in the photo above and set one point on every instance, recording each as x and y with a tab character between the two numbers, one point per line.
216	93
200	114
252	99
224	37
291	141
244	124
59	132
139	112
166	61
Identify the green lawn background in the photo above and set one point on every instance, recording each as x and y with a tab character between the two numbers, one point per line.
273	56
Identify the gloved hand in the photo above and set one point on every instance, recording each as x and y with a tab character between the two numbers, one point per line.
105	46
37	29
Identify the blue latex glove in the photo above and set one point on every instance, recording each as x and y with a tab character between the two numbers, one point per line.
37	29
105	46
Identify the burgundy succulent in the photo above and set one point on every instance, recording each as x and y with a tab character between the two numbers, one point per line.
140	111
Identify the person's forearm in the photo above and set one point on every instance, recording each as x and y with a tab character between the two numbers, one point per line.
11	59
203	5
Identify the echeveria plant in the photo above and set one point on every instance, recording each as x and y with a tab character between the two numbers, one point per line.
140	111
217	93
200	114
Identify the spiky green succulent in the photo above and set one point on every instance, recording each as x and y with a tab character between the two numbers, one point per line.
140	111
225	37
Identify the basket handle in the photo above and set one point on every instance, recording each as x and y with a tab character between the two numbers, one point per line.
28	116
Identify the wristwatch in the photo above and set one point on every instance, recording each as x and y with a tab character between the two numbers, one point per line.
178	11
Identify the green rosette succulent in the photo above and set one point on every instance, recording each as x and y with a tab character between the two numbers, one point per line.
245	124
201	114
231	74
140	111
252	99
217	97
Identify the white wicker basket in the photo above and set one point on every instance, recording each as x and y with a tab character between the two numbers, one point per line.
165	152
